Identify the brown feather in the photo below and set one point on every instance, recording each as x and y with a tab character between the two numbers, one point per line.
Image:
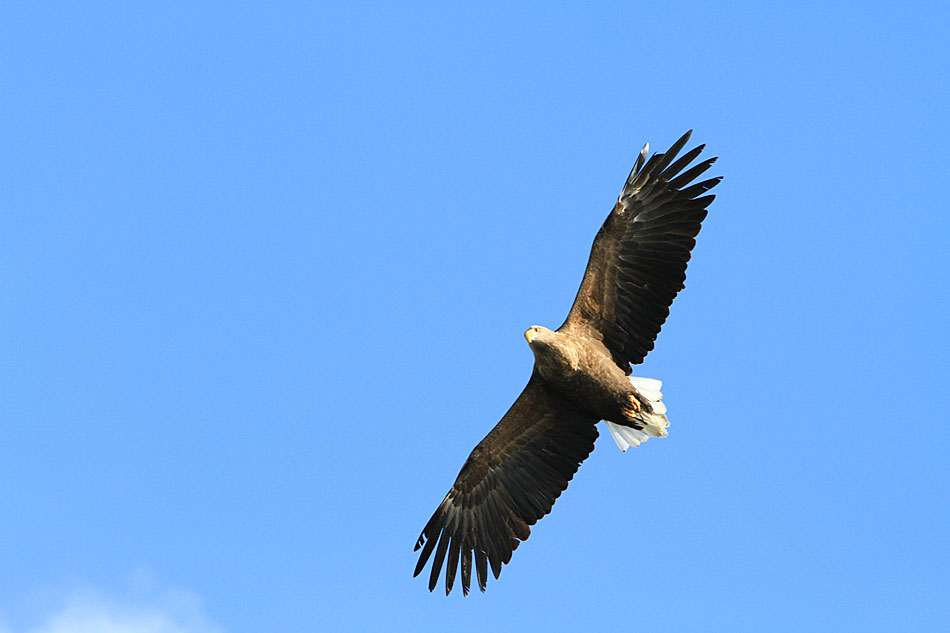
638	260
510	480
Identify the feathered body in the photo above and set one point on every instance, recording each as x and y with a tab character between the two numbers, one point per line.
581	370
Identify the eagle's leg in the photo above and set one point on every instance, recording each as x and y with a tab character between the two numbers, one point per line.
631	408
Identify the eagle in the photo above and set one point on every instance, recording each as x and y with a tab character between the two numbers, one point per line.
581	375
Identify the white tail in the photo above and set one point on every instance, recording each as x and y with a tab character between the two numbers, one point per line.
654	424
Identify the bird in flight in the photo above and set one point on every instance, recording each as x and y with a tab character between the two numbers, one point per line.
582	374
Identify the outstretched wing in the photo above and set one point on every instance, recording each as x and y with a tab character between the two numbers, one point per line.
510	480
638	261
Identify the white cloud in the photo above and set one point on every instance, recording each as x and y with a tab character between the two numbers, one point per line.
89	611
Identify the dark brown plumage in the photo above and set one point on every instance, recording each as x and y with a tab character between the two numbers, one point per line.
637	266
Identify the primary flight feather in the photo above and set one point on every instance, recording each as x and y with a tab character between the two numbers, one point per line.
581	374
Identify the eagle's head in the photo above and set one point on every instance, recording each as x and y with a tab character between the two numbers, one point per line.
552	350
537	334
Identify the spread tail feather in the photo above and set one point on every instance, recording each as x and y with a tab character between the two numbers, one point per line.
653	424
626	436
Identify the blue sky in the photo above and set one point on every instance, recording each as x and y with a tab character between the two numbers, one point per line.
266	270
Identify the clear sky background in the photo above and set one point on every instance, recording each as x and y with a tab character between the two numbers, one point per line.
264	273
